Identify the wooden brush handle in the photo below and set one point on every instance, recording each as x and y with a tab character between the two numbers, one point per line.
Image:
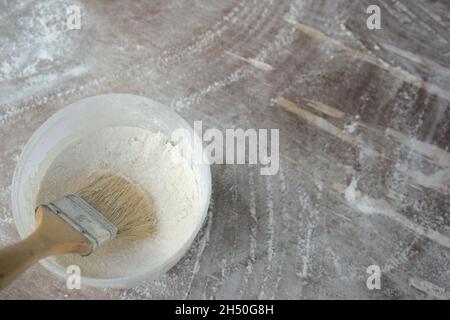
52	237
15	259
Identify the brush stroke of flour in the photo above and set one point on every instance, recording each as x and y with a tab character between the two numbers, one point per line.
371	206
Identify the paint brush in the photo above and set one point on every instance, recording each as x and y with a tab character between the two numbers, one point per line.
110	207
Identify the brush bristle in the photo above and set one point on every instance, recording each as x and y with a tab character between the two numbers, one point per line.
123	203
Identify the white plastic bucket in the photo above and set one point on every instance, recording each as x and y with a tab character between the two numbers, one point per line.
89	115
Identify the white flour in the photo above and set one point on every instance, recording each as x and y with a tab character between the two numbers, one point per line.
147	159
40	51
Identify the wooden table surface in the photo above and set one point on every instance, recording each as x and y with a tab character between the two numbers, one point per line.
364	135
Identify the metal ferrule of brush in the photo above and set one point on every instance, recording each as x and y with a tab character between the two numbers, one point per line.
85	219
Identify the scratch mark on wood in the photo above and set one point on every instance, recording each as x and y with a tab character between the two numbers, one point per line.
371	206
284	216
431	152
312	118
345	218
436	181
422	60
270	241
219	282
326	109
395	71
427	150
324	125
306	256
256	63
253	233
204	242
429	288
304	244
